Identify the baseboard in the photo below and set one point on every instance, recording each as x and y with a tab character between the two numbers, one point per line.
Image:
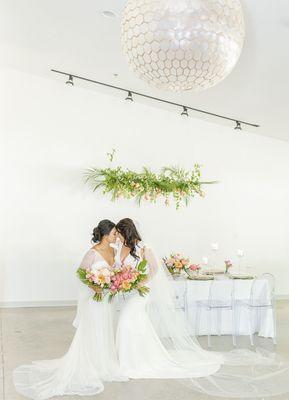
282	297
47	303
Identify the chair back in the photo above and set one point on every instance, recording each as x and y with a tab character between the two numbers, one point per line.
222	292
263	291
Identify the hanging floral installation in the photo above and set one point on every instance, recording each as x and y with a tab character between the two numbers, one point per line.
171	183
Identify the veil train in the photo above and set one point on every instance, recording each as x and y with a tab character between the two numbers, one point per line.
242	373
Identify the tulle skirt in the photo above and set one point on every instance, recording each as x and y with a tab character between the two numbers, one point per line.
241	373
143	354
90	360
140	352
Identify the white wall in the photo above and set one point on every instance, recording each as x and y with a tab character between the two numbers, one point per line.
50	133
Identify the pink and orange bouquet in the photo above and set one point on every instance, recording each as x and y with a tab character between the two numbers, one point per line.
129	279
110	281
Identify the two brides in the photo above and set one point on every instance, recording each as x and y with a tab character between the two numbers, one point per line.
147	338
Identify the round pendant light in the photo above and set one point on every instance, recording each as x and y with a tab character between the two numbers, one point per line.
182	45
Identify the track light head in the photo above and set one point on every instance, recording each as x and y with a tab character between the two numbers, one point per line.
185	112
238	126
70	80
129	96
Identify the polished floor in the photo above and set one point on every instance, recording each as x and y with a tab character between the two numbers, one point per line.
28	334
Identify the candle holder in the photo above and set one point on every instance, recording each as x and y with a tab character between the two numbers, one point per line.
215	249
204	264
240	254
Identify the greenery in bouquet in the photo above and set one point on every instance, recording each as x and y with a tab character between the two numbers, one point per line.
110	281
128	279
98	280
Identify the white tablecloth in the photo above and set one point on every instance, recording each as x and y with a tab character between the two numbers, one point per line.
189	292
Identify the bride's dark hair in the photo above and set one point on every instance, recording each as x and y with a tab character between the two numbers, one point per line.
103	228
128	230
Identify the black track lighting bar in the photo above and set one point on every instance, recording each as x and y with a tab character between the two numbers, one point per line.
155	98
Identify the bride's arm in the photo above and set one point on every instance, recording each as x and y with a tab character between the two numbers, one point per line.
86	263
88	259
84	292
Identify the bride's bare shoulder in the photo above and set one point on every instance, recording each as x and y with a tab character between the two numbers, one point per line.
95	250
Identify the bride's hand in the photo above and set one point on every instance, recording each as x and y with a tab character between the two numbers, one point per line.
143	282
96	289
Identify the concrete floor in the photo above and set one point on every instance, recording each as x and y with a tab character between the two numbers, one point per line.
28	334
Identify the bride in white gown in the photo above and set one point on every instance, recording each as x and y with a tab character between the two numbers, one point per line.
141	352
91	358
151	339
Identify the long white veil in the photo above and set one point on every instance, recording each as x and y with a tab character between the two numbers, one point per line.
240	373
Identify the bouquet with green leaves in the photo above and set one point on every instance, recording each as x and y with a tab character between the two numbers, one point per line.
112	280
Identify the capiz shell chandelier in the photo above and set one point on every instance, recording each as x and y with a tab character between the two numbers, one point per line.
182	45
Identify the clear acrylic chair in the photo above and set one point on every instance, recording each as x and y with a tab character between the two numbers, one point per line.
221	298
262	299
180	293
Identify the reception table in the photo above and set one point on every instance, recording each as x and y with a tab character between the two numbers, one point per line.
190	292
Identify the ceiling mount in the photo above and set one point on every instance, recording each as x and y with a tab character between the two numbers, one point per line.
108	14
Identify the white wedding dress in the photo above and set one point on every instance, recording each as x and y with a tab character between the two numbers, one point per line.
151	341
91	358
142	354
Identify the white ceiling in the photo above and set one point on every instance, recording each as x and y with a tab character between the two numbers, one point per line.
72	35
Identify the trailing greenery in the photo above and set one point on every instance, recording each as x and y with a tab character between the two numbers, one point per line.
171	183
81	272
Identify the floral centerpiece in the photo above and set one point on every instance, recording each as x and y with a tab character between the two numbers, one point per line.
177	264
228	265
110	281
193	268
